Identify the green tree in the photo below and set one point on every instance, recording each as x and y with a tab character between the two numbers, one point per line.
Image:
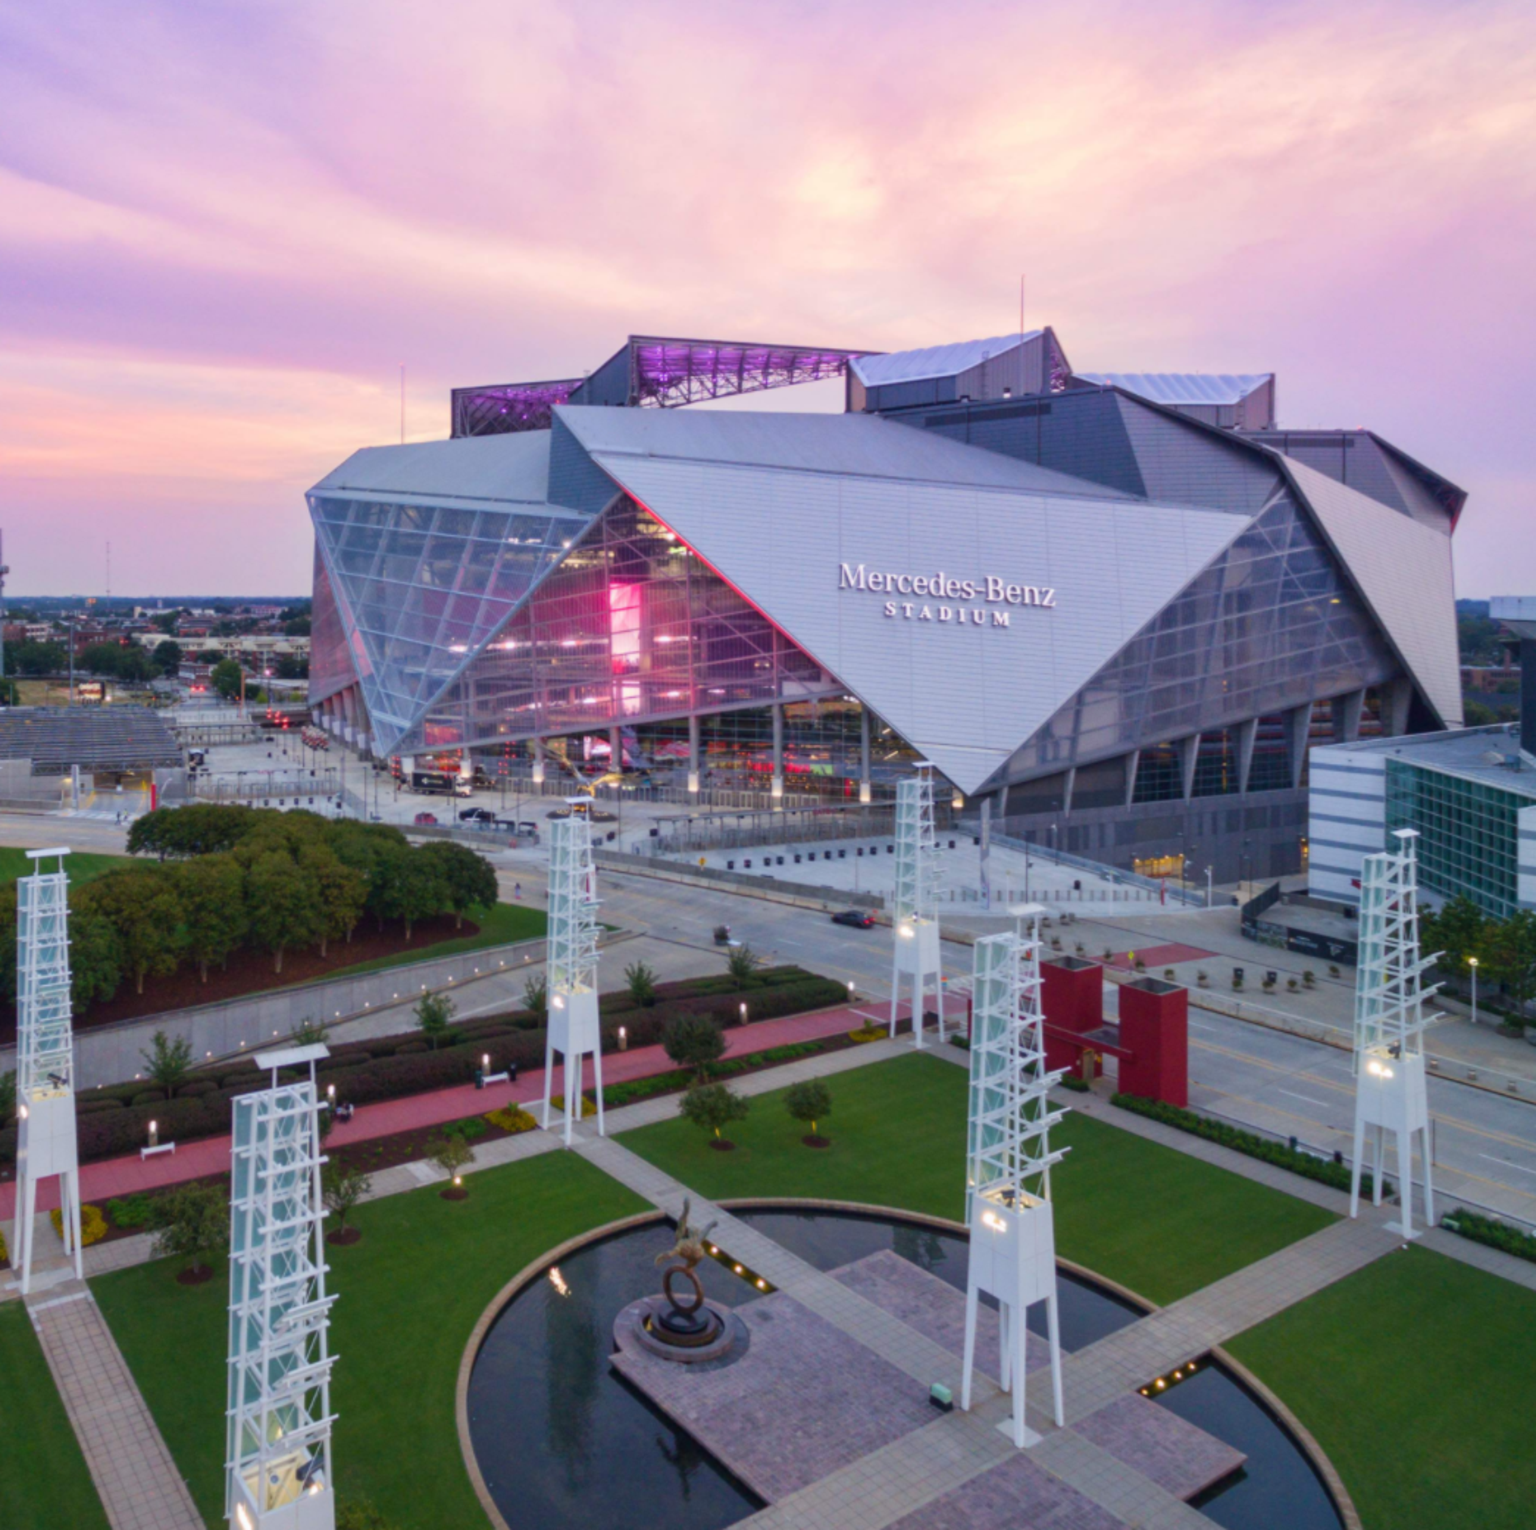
191	1224
7	1097
1457	931
342	1187
95	958
100	659
168	656
809	1102
214	913
1511	957
450	1153
742	964
434	1014
284	905
164	621
143	905
342	892
167	1063
226	678
640	979
468	879
694	1041
413	887
712	1107
36	658
536	995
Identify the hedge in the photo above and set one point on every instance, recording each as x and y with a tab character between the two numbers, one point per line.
1325	1171
1489	1230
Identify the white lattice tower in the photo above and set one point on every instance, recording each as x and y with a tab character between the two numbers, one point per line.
278	1447
914	916
45	1060
574	1030
1008	1169
1391	1092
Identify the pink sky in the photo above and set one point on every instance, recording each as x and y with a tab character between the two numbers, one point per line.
223	227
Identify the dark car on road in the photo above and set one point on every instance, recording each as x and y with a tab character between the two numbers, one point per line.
859	918
477	815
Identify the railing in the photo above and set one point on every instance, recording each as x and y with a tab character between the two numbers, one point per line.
1113	874
788	826
266	786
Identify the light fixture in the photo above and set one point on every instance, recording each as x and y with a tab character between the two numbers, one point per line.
995	1222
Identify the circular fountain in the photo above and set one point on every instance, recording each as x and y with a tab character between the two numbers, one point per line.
685	1326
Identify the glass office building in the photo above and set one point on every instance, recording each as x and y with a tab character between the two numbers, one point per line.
1074	594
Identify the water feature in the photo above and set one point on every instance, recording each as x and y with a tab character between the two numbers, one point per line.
565	1443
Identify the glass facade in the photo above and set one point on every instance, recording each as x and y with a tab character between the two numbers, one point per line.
1468	833
330	657
630	627
1272	623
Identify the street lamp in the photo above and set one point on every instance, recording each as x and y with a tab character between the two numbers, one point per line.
1209	870
1472	963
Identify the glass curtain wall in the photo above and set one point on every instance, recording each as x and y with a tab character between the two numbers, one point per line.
1468	834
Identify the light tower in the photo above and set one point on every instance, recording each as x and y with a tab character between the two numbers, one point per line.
914	919
1009	1158
573	1019
277	1473
45	1059
1390	1092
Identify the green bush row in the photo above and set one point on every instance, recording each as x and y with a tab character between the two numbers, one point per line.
1489	1230
1325	1171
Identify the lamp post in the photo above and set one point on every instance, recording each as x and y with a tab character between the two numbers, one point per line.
1209	890
1472	963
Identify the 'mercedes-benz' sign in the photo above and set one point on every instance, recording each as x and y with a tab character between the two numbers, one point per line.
925	597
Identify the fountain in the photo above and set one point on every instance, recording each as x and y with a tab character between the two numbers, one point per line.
687	1327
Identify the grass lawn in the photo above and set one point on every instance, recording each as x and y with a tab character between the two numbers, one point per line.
1418	1377
82	865
1160	1222
43	1480
409	1294
499	926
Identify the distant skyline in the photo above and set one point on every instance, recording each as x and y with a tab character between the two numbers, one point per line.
223	229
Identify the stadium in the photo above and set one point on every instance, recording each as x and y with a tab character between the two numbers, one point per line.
1120	606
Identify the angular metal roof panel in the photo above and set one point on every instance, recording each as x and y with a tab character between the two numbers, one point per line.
504	467
1174	388
1403	569
862	444
935	360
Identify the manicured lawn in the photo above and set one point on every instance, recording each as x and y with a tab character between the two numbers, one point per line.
1418	1377
1154	1219
43	1480
82	865
499	926
410	1293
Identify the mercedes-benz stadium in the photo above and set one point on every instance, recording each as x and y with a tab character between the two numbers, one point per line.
1119	606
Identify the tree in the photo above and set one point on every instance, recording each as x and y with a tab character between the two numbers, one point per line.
165	621
213	909
95	958
536	995
640	979
341	1188
143	905
191	1224
712	1107
1511	957
694	1041
434	1014
810	1101
168	656
99	658
168	1062
7	1097
227	678
36	658
413	887
742	964
341	890
450	1153
284	905
1458	931
468	879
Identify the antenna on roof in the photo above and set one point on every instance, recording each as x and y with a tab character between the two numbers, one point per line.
402	403
1021	303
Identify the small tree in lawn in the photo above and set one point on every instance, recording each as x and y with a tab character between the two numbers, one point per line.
694	1041
450	1153
809	1103
712	1107
342	1187
742	964
168	1062
434	1014
192	1224
640	979
536	995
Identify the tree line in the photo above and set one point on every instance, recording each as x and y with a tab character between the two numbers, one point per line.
229	879
1504	950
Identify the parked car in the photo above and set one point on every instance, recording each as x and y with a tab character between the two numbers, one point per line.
426	820
477	815
859	918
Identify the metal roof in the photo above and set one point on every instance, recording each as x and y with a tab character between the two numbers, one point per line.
503	467
1465	752
855	445
935	360
1174	388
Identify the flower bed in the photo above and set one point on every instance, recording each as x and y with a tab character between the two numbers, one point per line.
1489	1230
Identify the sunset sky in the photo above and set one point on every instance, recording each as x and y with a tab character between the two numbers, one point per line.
224	226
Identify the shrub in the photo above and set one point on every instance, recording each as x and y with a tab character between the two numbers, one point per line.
93	1103
148	1097
808	1101
742	964
1489	1230
197	1089
712	1107
451	1153
134	1210
1325	1171
511	1118
7	1097
869	1033
640	979
1075	1084
192	1224
93	1225
168	1062
341	1188
469	1128
588	1106
694	1041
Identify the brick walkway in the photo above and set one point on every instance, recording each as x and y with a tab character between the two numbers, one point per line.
135	1477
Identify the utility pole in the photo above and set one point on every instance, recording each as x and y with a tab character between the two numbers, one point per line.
4	570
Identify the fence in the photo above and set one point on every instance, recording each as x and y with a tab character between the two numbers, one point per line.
1111	874
1268	932
266	785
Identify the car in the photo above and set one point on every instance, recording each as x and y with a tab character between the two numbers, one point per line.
859	918
477	815
426	820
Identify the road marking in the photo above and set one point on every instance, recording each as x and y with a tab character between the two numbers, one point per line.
1195	1025
1307	1097
1504	1163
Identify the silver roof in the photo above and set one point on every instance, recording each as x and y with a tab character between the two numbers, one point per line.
513	467
1183	387
1465	752
935	360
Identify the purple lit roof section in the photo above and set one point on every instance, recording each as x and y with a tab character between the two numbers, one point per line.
506	407
670	373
